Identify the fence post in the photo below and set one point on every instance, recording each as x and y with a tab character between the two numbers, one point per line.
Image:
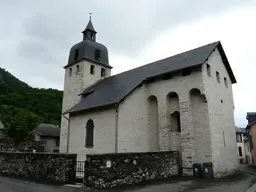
72	172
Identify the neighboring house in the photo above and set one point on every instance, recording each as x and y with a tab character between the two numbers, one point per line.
49	135
240	136
248	153
46	135
251	131
182	103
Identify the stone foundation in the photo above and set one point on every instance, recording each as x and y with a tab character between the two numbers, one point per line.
46	167
110	170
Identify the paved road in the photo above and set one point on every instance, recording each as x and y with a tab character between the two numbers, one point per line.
239	183
13	185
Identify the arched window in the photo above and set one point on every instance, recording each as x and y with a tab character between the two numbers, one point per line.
173	114
153	123
89	133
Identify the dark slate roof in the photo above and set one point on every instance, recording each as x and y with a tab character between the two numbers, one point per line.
249	114
90	27
86	50
115	88
240	130
48	130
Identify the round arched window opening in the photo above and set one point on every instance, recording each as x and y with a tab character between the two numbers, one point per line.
89	139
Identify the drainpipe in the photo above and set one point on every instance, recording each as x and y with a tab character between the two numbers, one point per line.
67	147
116	128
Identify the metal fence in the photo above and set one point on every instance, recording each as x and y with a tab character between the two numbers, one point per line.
80	169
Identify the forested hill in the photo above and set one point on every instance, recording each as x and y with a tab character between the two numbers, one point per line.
43	102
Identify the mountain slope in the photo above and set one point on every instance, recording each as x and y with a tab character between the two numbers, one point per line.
44	102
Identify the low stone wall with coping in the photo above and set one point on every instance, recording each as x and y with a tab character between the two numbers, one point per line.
45	167
110	170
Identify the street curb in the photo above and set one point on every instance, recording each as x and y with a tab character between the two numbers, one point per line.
252	188
250	172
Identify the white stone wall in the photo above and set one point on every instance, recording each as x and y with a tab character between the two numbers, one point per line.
242	145
134	132
221	116
104	133
200	115
75	84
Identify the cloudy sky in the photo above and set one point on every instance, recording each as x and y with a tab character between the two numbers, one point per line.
36	36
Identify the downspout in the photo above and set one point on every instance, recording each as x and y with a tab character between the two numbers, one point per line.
116	126
67	147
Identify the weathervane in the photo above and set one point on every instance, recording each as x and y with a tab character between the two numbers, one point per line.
90	15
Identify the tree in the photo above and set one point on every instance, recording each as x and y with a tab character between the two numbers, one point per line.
46	103
19	124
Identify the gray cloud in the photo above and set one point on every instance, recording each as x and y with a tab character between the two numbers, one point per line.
36	51
39	34
124	26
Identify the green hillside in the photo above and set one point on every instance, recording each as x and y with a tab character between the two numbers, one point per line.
43	102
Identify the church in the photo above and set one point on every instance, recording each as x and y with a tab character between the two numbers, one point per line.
181	103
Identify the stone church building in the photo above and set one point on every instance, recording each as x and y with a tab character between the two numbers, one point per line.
182	103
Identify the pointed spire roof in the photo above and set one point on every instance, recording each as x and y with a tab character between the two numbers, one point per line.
90	26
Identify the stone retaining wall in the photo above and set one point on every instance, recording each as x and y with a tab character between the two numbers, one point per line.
110	170
57	168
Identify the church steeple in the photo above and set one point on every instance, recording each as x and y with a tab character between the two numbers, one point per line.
89	32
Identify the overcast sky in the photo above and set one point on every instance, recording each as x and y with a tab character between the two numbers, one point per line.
35	36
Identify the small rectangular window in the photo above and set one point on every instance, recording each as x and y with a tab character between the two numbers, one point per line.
103	72
77	68
167	77
92	69
224	140
76	54
97	55
186	72
240	151
226	82
238	138
218	76
70	71
57	142
208	68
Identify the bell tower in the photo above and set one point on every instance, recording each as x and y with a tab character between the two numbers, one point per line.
87	64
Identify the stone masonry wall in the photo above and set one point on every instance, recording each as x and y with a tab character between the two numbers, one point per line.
220	101
57	168
75	83
110	170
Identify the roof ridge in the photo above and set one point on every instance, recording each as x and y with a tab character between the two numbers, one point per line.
217	42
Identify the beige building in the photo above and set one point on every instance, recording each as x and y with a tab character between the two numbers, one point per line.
49	137
183	103
240	139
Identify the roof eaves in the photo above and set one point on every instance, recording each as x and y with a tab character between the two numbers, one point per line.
226	63
173	71
155	76
250	124
87	59
91	108
85	91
